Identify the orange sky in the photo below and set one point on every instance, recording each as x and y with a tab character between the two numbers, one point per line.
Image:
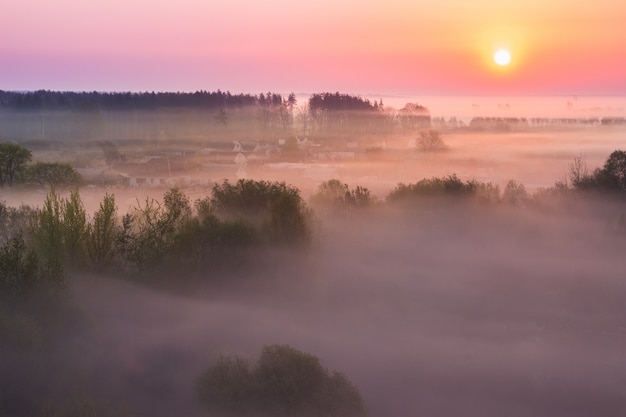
396	46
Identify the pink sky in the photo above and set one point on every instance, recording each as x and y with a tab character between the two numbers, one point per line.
395	46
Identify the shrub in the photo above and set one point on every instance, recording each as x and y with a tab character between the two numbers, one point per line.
47	228
58	230
13	220
147	234
335	194
100	235
434	187
228	386
74	227
19	267
284	382
54	174
274	207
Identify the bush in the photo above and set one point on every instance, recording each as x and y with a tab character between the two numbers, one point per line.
228	386
151	231
13	220
58	231
74	227
19	267
274	207
23	272
337	195
284	382
434	187
100	235
53	174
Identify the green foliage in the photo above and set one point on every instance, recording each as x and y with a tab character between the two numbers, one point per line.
13	220
272	206
58	232
59	228
53	174
284	382
100	235
19	267
151	231
172	236
47	227
288	219
233	234
74	227
214	241
13	160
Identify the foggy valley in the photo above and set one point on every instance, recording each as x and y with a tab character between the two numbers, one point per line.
443	269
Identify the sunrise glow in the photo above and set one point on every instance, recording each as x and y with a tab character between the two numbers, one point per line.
246	45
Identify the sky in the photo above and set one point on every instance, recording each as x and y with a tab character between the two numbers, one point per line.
360	46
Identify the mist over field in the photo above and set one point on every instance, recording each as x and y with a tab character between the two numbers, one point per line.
440	311
511	301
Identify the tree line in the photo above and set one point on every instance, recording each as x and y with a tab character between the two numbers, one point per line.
124	115
90	101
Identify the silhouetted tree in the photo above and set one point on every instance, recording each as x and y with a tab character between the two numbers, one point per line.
110	151
221	118
613	173
414	116
13	160
430	141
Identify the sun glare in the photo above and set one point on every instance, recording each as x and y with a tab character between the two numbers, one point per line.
502	57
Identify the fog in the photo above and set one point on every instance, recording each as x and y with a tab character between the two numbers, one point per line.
434	310
441	308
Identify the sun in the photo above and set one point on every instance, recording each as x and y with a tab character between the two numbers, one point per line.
502	57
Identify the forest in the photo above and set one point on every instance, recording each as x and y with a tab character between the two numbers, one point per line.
44	115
